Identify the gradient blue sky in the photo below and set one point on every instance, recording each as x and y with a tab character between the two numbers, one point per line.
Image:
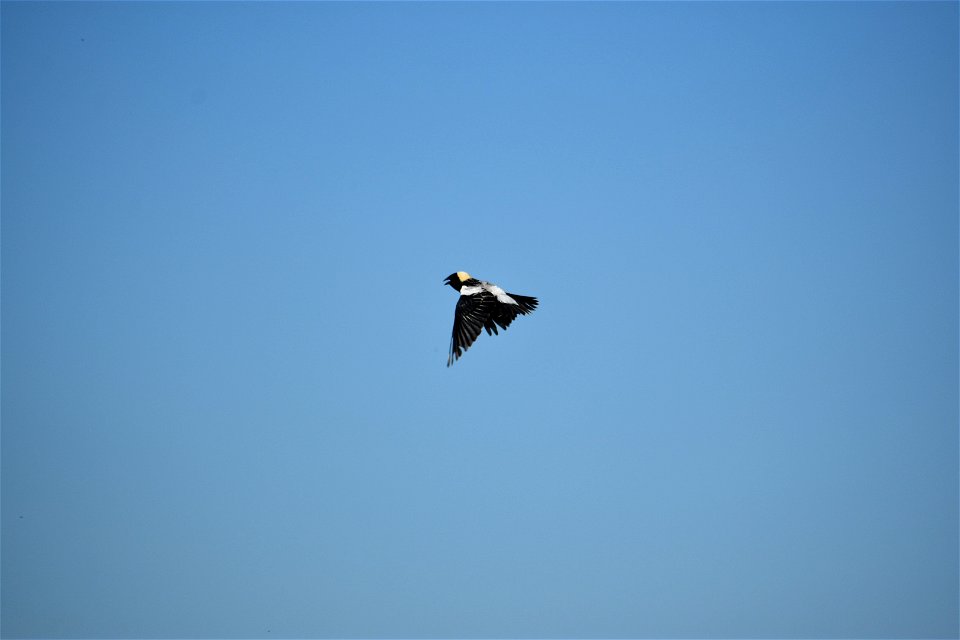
226	411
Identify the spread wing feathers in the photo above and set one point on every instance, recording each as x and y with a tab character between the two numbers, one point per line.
504	314
482	311
473	314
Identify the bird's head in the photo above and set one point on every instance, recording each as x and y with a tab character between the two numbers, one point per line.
457	279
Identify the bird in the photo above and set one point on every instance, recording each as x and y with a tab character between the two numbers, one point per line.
482	305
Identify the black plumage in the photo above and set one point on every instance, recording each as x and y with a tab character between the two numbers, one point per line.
482	306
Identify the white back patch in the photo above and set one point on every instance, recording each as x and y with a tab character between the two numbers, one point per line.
500	293
470	291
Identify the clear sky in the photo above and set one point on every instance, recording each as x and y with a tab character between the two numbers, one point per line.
226	410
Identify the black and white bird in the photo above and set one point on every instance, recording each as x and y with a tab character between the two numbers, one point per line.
482	305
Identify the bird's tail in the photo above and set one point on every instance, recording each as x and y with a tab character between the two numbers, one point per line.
526	303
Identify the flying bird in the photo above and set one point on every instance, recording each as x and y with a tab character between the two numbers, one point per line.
482	305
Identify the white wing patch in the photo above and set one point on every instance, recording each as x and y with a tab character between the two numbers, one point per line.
497	291
470	291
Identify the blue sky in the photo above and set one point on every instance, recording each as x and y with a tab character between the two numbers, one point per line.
226	411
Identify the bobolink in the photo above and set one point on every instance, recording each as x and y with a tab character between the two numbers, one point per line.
482	305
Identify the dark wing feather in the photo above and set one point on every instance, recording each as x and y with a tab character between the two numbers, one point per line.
504	314
473	314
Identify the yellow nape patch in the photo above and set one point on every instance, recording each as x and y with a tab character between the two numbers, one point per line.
463	275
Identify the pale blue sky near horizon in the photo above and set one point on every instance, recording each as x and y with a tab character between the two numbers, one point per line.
225	405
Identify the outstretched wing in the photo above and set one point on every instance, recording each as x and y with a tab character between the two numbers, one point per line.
504	314
472	315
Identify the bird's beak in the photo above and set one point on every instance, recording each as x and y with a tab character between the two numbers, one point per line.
446	281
